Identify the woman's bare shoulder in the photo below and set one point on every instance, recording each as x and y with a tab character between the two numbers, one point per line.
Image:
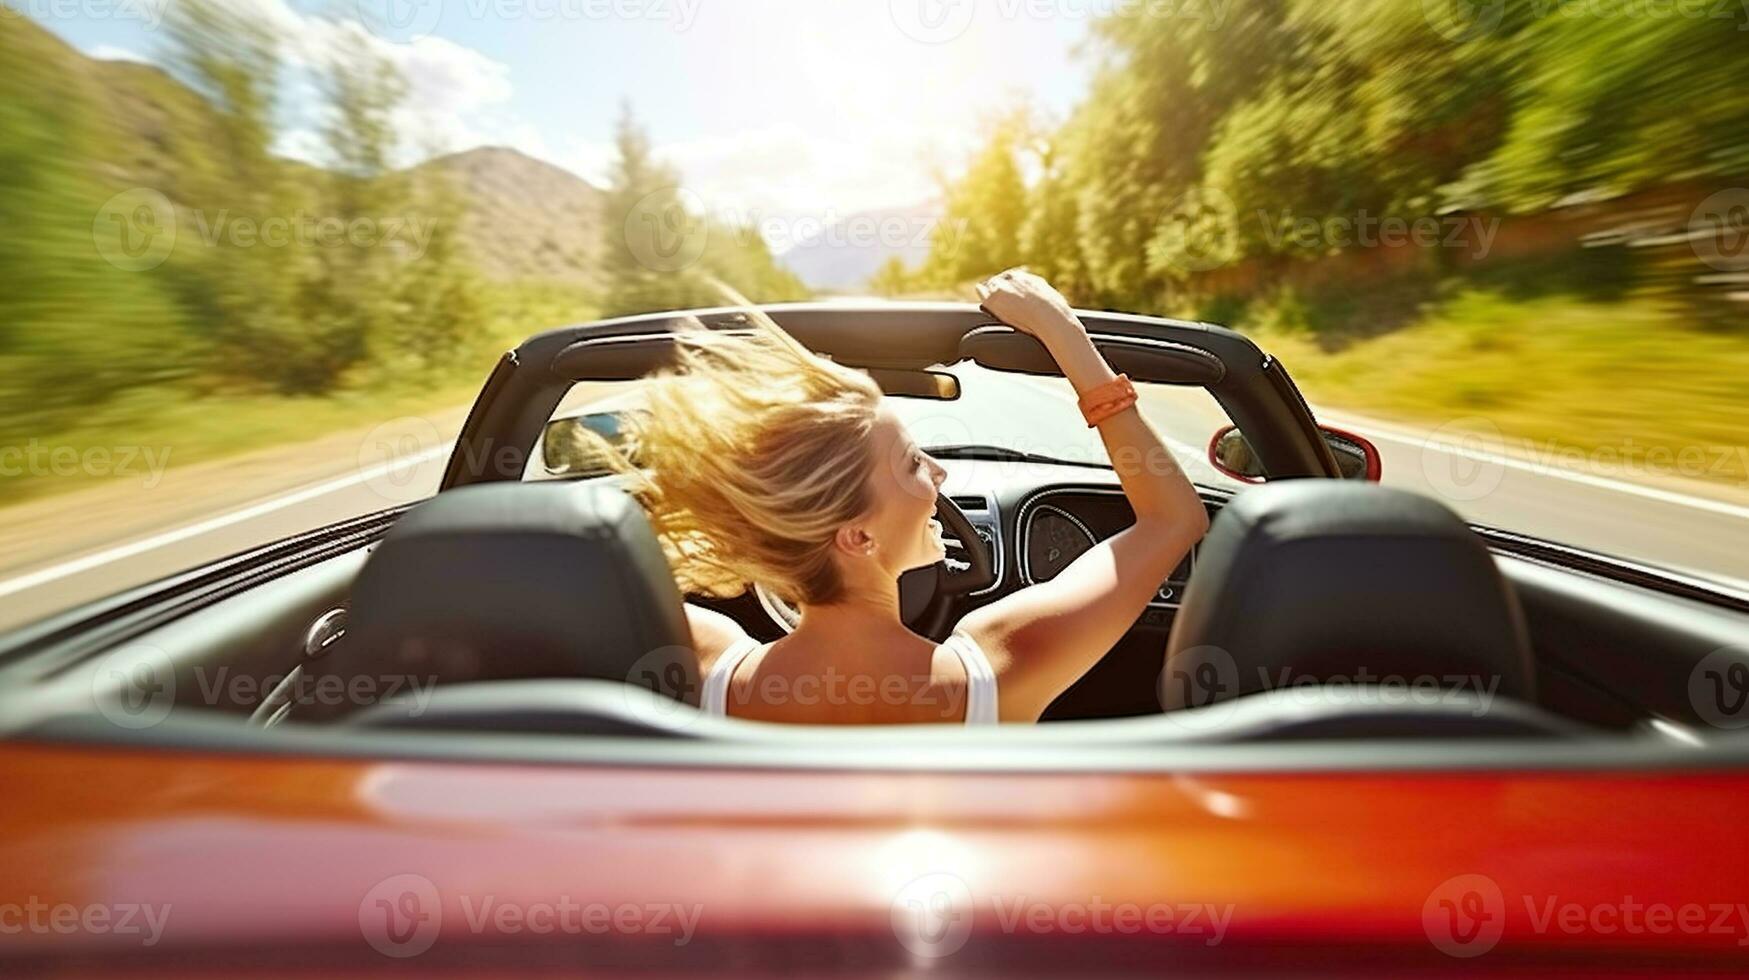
712	633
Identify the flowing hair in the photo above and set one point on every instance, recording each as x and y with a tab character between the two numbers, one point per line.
754	451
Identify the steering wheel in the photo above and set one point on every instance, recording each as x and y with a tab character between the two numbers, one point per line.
926	595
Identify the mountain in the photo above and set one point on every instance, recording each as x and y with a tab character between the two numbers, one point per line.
844	256
522	218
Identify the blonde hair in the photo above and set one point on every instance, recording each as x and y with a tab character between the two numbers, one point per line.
753	453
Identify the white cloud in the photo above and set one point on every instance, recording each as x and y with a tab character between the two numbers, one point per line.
111	52
889	134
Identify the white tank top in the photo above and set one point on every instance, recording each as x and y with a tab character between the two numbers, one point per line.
980	678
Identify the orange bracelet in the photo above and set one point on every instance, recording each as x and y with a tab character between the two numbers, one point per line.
1106	400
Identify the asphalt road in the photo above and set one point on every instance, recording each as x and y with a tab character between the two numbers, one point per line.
1649	520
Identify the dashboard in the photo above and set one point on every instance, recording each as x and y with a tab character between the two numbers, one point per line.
1058	525
1038	518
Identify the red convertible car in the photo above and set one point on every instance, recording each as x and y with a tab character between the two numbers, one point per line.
1353	734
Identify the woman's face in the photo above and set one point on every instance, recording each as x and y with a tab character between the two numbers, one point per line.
904	486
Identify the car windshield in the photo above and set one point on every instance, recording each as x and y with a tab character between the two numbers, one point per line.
1038	416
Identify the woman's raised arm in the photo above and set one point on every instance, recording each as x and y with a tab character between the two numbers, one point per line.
1043	638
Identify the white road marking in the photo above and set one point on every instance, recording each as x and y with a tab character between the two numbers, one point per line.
98	559
1385	431
1408	437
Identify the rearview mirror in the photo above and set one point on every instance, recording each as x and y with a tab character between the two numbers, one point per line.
1231	455
575	446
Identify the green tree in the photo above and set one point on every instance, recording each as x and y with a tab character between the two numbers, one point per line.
352	297
658	254
75	330
1050	242
892	278
980	231
651	242
249	291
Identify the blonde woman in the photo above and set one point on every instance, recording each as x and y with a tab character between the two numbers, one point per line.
762	462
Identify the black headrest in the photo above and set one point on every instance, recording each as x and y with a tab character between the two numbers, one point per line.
1319	581
511	581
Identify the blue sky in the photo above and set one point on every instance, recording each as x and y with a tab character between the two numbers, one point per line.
771	107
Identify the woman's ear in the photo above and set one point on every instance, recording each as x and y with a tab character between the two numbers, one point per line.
854	540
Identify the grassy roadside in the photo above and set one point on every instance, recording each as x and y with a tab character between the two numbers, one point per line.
142	434
1558	374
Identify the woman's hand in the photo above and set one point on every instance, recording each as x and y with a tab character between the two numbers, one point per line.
1029	304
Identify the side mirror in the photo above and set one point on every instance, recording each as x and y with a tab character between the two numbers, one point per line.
575	446
1231	455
